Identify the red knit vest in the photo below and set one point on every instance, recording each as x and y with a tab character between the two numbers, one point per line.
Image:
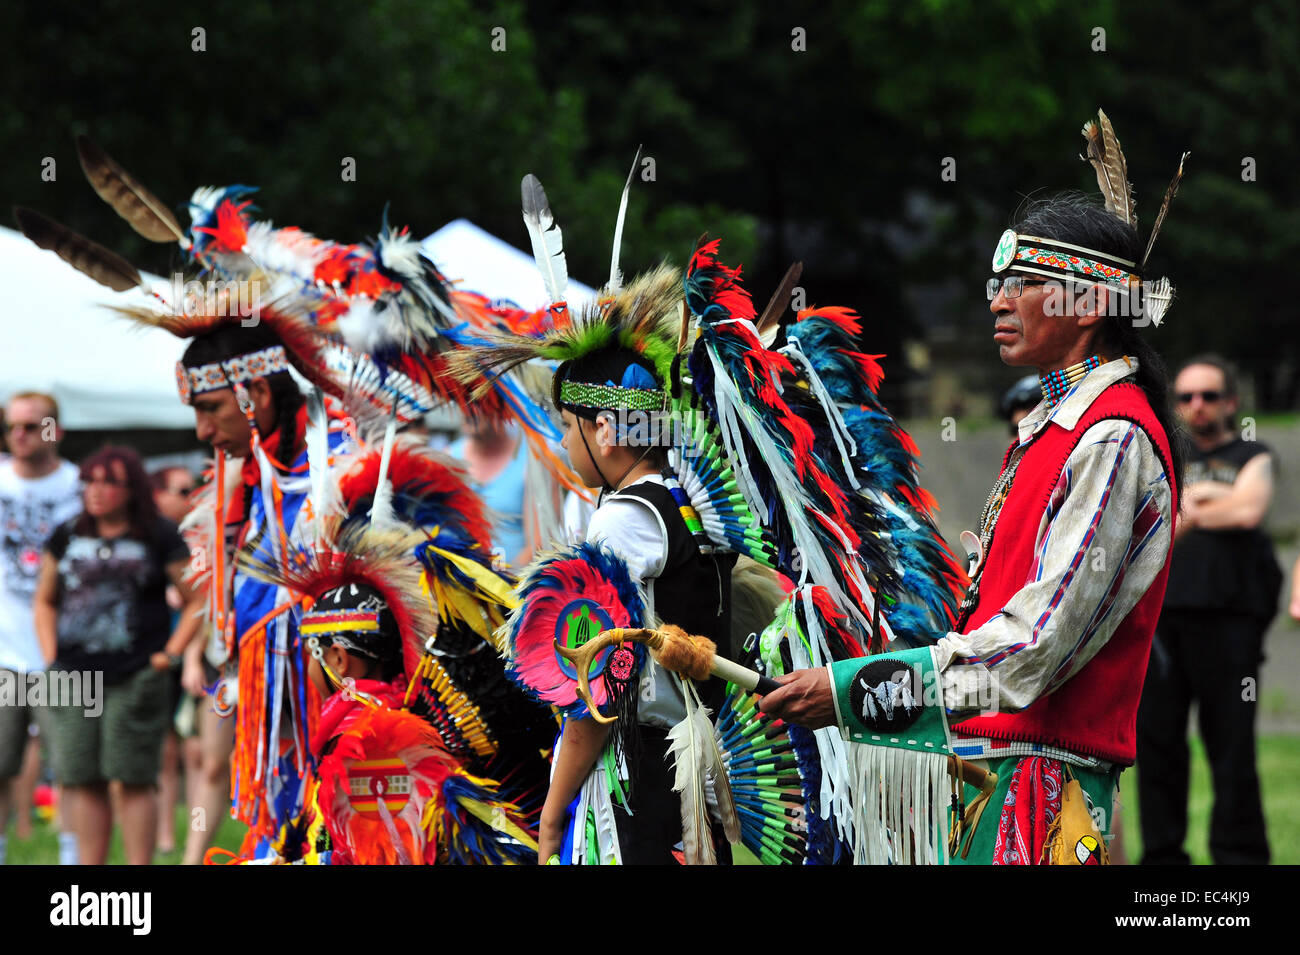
1094	713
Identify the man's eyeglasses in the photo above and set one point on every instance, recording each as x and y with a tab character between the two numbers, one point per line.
1011	286
23	427
1209	397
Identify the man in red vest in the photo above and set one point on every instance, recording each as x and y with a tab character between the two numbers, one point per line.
1041	679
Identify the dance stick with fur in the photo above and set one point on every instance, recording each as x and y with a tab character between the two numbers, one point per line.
675	649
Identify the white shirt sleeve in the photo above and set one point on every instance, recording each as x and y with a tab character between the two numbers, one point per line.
631	529
1100	544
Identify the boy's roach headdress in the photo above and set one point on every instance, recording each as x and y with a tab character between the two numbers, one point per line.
762	459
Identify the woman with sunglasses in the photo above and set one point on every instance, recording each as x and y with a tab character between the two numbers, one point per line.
101	609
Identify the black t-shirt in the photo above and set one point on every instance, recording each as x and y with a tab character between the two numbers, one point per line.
1231	570
112	598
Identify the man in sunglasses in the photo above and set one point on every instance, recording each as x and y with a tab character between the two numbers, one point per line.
1223	589
38	492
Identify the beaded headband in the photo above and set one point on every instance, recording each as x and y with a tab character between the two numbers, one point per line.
357	631
1038	256
339	621
1029	253
608	397
197	379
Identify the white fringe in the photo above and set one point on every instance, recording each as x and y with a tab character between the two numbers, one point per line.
900	806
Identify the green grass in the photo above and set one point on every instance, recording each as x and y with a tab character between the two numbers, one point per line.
1279	760
43	847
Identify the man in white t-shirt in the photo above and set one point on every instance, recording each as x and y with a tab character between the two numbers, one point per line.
38	491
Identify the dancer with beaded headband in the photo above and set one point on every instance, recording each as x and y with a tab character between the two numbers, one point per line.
707	443
296	294
1039	681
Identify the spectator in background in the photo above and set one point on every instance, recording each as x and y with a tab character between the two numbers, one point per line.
496	457
172	488
101	606
38	491
1020	399
1223	589
1295	590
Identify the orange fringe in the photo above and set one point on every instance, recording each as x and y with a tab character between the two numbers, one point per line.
250	720
250	726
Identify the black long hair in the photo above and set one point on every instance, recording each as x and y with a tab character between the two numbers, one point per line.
230	341
1078	219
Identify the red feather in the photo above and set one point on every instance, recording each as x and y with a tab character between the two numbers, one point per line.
419	472
231	231
534	660
382	734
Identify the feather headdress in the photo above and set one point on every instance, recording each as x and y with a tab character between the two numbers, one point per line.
358	554
395	324
643	318
1053	258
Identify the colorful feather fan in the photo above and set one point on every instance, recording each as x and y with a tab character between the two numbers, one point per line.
568	598
766	780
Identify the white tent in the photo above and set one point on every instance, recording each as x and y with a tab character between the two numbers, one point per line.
478	261
58	337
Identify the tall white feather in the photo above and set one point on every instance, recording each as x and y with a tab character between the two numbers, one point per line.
615	273
544	234
318	453
381	509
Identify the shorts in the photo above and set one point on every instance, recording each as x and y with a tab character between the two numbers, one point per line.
14	723
123	743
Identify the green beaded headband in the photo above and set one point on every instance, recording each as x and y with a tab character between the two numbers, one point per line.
610	397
